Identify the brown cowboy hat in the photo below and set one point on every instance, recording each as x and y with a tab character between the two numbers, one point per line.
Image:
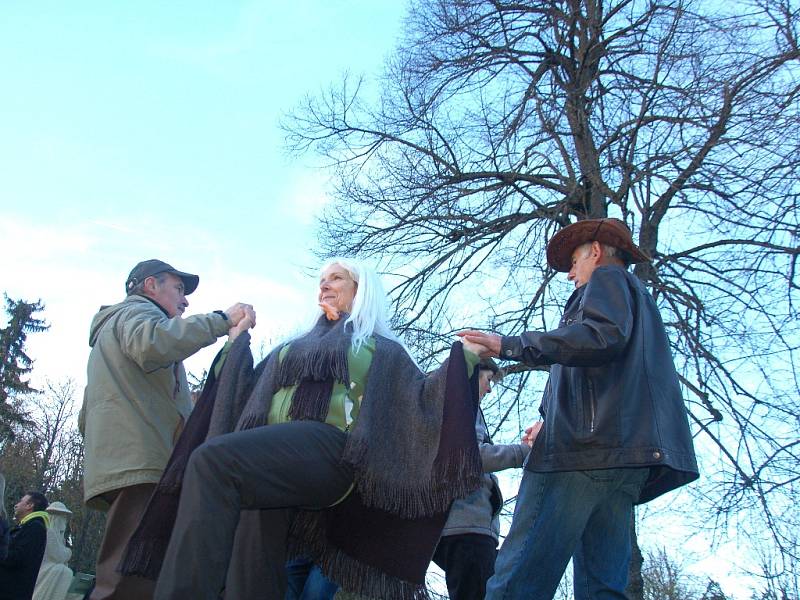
612	232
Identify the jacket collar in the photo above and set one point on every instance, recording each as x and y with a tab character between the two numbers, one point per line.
161	308
38	514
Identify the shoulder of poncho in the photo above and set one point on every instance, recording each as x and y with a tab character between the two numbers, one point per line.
272	354
392	362
270	361
394	348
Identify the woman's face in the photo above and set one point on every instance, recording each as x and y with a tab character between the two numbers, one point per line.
337	288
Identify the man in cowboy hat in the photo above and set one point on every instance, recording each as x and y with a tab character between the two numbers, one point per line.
614	429
136	402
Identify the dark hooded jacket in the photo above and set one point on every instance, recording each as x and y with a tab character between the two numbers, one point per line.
613	397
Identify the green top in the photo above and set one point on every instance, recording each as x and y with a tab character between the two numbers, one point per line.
345	399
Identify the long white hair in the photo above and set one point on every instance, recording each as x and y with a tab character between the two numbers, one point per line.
370	314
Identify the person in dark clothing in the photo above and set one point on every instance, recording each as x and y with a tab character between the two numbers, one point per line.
5	536
18	570
4	526
615	430
468	548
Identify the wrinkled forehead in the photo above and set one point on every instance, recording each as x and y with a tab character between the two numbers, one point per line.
172	278
581	250
336	269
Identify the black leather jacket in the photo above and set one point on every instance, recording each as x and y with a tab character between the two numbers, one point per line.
613	398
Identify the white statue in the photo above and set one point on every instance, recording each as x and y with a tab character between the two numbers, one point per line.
54	574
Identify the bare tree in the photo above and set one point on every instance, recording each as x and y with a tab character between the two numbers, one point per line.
52	432
780	579
664	579
46	453
498	122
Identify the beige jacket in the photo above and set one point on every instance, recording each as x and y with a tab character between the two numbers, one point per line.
137	397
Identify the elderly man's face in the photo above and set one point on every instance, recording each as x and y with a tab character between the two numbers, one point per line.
337	288
585	259
169	294
23	508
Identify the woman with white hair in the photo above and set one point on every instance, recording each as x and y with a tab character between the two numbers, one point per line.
339	420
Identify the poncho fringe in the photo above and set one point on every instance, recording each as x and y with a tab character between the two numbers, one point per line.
427	498
357	578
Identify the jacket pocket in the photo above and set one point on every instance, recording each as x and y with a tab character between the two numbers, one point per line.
585	404
591	400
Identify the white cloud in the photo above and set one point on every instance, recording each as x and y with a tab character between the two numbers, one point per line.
306	197
76	270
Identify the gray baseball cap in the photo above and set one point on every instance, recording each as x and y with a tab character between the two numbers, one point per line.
148	268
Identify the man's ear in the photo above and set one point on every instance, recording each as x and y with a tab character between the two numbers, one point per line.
150	284
597	251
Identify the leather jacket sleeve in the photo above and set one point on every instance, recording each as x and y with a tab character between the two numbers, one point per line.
594	330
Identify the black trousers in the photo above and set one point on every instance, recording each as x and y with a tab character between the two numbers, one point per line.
277	467
468	562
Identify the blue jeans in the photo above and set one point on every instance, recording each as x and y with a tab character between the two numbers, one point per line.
305	581
584	515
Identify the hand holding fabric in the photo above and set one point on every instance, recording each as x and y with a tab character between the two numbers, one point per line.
475	348
248	321
239	311
489	342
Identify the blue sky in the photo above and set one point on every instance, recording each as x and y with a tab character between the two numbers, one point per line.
132	130
150	129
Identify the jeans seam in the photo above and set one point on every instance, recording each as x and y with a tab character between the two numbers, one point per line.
527	539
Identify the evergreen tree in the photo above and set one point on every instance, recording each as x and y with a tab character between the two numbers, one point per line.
15	364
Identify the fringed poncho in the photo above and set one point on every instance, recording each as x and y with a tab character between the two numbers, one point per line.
412	450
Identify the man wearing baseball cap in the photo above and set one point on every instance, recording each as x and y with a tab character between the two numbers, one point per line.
137	400
614	429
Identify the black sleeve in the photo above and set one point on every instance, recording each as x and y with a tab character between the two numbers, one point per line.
600	332
27	544
4	538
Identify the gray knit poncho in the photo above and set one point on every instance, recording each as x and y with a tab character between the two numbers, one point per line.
412	450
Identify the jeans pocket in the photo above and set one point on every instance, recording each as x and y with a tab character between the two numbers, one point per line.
603	475
634	481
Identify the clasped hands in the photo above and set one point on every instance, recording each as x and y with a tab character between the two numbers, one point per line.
242	317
